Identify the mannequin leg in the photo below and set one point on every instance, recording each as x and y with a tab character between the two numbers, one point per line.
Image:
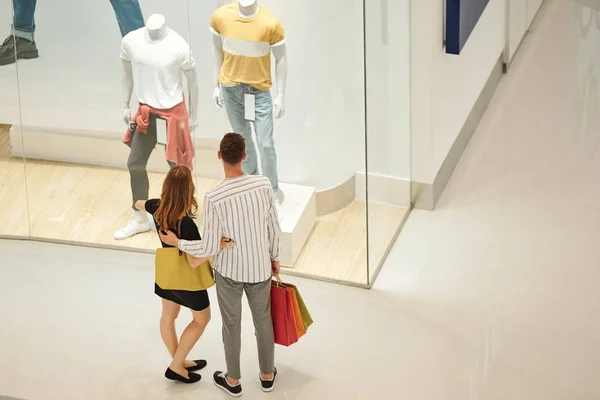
142	146
264	135
234	104
129	15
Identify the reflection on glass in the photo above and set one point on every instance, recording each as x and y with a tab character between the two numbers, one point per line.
14	219
20	43
22	38
588	69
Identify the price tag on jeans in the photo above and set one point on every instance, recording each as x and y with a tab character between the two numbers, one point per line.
249	107
161	131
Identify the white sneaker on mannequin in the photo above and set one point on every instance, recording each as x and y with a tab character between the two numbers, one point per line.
151	222
138	223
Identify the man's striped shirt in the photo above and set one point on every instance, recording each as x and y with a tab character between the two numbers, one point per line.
242	209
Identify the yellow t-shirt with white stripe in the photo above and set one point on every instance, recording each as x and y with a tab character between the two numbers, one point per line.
246	45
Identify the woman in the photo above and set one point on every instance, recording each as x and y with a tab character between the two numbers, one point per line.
178	204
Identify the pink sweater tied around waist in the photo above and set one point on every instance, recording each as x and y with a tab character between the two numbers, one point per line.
180	148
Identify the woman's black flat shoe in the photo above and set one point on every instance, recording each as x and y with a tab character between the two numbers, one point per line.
200	364
174	376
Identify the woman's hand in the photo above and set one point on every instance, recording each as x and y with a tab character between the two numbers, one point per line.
227	243
169	238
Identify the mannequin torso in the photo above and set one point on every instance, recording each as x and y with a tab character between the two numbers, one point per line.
249	10
154	58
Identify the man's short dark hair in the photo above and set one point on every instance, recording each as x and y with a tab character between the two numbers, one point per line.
233	147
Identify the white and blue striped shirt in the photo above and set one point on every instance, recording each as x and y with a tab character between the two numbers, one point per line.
242	209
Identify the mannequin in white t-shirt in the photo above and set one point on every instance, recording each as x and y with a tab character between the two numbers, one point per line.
156	30
155	59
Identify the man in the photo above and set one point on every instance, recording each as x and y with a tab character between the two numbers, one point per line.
242	208
21	44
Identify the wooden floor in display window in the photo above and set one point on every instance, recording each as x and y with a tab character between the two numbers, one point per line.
82	204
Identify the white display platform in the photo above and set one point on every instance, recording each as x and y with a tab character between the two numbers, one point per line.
298	218
298	212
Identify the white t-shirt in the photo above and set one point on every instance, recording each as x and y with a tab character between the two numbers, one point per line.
157	66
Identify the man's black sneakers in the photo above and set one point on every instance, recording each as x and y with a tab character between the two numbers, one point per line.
220	379
268	386
14	48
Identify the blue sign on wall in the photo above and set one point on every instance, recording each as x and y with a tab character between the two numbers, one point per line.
461	18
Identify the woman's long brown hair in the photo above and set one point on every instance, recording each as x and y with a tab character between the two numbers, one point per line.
177	198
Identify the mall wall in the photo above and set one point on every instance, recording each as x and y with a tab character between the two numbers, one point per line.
450	92
521	14
444	86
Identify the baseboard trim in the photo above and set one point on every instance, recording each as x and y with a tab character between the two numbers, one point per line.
336	198
106	149
426	196
383	189
99	148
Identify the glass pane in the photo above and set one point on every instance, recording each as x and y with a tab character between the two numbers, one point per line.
82	177
13	192
388	177
85	178
319	142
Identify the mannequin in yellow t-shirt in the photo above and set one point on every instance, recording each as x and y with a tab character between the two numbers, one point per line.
245	35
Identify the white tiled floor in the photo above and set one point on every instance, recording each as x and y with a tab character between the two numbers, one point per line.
494	296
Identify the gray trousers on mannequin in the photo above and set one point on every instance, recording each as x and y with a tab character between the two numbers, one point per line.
229	294
142	146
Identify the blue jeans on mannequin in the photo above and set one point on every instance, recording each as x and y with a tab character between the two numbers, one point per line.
263	124
128	13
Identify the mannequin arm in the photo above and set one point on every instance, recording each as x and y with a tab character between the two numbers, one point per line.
127	90
280	53
219	56
192	80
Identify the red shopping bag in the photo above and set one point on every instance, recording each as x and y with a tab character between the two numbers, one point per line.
282	312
